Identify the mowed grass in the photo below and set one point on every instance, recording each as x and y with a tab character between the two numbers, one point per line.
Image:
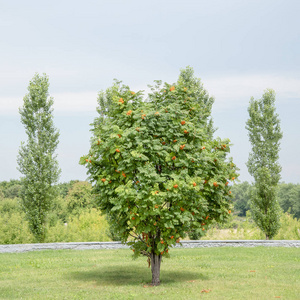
208	273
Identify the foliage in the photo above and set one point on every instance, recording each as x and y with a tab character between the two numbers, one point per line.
156	169
14	228
63	188
245	229
10	189
289	198
264	132
89	226
79	197
36	160
290	228
241	197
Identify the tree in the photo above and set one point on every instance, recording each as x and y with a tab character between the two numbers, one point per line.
37	159
264	133
289	198
241	198
80	197
155	168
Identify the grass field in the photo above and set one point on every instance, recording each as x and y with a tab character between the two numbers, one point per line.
209	273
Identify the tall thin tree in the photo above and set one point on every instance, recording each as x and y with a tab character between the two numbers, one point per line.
264	133
37	160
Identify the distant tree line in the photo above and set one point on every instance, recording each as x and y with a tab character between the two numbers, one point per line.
73	196
288	198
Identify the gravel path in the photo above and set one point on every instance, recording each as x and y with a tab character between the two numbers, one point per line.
117	245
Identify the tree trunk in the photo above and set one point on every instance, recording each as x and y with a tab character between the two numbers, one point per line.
155	268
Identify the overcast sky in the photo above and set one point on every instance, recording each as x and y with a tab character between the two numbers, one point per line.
238	49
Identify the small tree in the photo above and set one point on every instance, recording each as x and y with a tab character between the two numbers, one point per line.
36	160
264	134
155	167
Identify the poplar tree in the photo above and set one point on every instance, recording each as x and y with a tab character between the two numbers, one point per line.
37	160
155	168
264	133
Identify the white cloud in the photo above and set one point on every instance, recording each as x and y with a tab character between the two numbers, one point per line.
75	102
232	91
63	102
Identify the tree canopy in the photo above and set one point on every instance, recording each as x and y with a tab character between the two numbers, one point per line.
155	167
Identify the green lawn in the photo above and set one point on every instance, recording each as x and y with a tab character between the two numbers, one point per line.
210	273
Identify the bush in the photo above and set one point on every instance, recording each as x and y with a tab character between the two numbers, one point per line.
290	228
89	226
14	229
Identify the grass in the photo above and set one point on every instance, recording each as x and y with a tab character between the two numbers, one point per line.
209	273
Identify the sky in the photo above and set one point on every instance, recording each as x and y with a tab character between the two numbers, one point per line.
238	49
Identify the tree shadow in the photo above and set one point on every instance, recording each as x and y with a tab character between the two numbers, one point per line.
127	275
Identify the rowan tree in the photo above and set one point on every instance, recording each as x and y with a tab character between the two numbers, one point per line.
264	133
155	168
37	159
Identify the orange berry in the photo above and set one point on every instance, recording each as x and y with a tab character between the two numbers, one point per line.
172	237
215	184
174	141
193	213
174	157
185	132
157	113
229	192
226	183
229	211
203	148
86	160
232	178
163	143
137	129
181	147
182	122
133	218
161	241
119	135
132	93
123	174
172	88
117	150
161	253
182	209
110	182
129	113
176	186
203	224
121	100
103	179
117	171
155	224
206	217
203	229
137	182
156	206
178	240
194	183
